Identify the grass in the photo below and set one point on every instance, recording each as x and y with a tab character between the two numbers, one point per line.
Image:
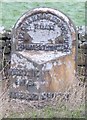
11	11
50	112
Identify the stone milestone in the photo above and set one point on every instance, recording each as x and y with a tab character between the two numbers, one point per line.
43	54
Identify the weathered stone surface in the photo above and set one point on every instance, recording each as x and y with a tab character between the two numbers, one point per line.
30	97
44	27
43	53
